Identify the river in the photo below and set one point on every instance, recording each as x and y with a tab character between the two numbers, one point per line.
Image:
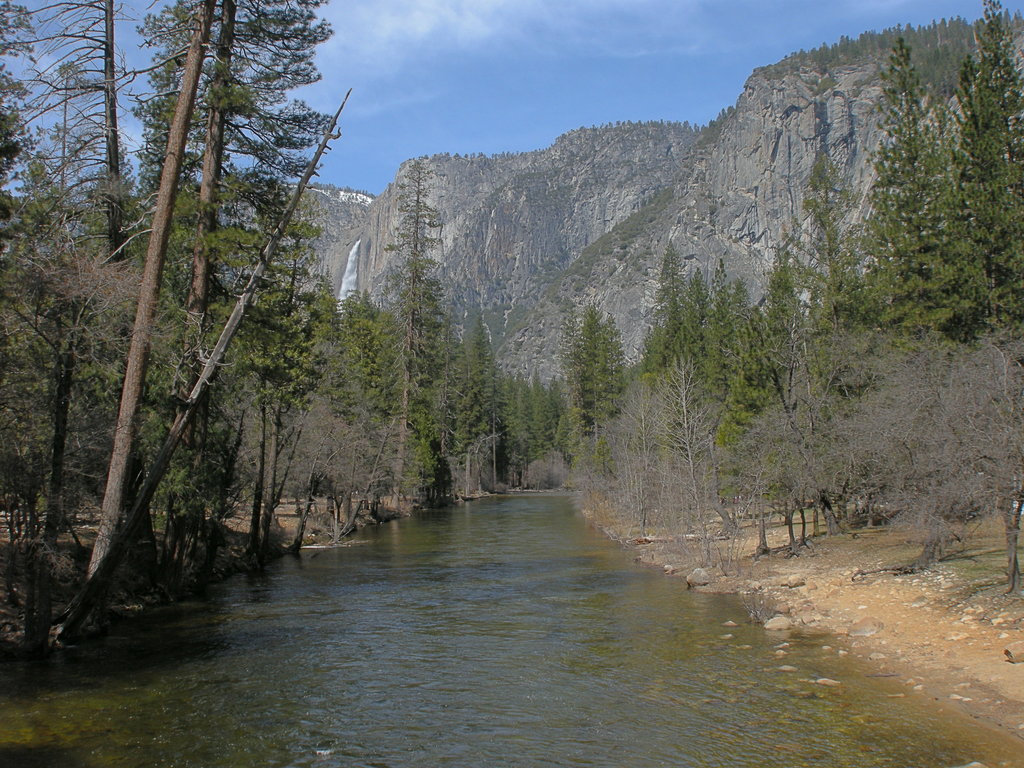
502	633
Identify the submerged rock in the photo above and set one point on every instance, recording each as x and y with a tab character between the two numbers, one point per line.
778	623
866	627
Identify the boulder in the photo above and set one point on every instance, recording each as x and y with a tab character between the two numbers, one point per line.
778	623
1014	652
794	580
698	578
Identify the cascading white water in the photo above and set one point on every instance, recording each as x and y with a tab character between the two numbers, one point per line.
349	282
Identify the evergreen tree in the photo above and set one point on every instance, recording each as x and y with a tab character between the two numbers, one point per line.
911	202
728	313
681	313
987	269
12	22
593	363
660	346
367	357
833	277
476	406
416	295
282	351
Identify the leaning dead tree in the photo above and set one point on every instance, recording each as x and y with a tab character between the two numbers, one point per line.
149	290
102	569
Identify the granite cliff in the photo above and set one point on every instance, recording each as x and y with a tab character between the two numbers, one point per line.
527	236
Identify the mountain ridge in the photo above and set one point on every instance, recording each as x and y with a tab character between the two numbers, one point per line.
526	236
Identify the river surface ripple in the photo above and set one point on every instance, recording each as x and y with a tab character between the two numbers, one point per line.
502	633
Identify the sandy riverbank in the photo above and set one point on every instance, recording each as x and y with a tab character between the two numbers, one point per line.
942	632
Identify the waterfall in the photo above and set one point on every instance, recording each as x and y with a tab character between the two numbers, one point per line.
349	283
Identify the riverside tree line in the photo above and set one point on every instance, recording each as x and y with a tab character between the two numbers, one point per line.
876	377
880	376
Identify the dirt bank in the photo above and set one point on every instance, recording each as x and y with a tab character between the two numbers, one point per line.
942	631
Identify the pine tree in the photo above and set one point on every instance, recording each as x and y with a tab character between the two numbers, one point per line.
593	363
911	203
830	248
659	347
986	271
476	405
728	313
12	21
283	345
416	295
367	360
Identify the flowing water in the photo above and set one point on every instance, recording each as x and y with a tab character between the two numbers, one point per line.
503	633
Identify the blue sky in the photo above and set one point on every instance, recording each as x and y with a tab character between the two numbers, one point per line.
465	76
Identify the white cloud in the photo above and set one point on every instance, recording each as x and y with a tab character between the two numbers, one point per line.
380	36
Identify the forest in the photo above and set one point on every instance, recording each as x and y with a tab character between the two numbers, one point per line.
878	380
173	364
174	368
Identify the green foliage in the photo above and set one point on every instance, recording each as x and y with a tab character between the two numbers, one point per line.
593	364
947	232
13	22
416	296
943	44
365	359
532	415
476	392
830	251
698	324
266	133
911	203
990	170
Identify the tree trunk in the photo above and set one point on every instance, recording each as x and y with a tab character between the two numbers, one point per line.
931	551
270	487
253	546
37	621
112	508
350	515
794	547
762	533
303	512
213	159
1012	520
403	421
332	511
832	526
113	195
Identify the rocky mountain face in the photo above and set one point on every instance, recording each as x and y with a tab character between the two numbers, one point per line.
527	236
735	198
339	212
